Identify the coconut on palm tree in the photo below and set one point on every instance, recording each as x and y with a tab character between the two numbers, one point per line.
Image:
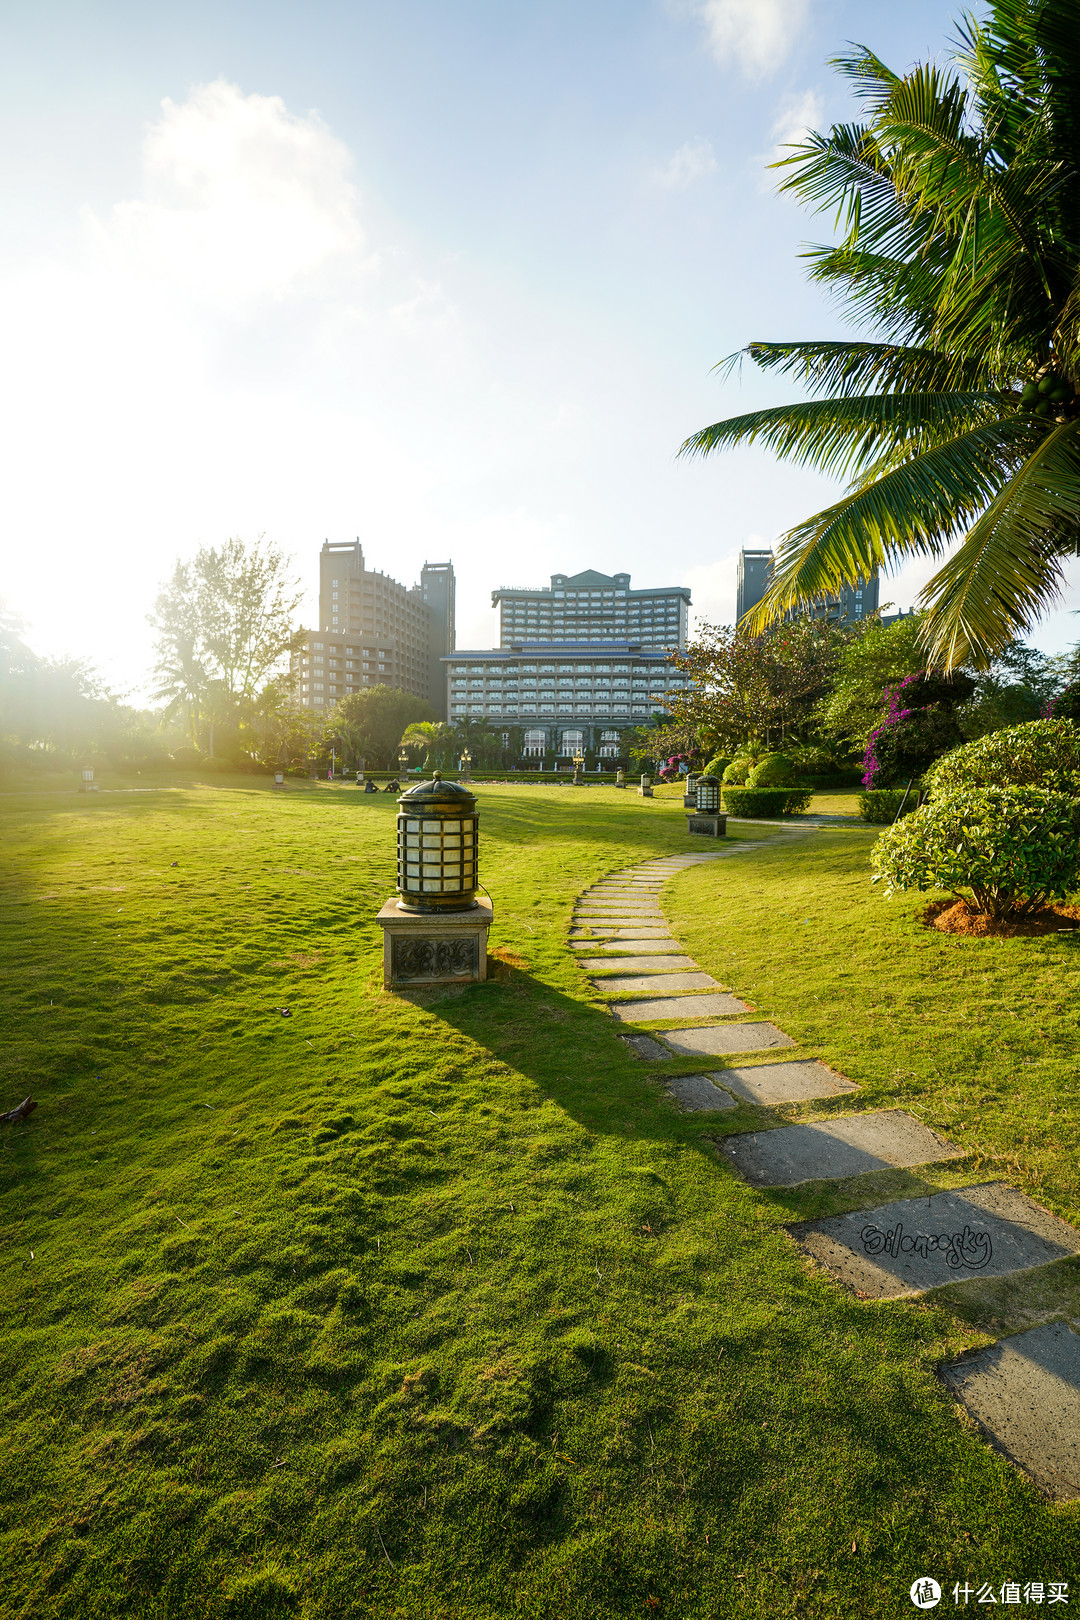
954	415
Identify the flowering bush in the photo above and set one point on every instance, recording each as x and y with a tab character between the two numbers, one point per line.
1066	706
1005	850
921	724
1040	753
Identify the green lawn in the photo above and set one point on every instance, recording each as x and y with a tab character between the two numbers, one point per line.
435	1306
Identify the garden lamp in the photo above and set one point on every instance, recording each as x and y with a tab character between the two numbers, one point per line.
437	847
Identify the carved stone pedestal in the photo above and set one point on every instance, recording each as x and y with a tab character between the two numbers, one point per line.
434	947
712	826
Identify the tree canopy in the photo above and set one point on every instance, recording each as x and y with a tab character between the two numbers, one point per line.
954	415
369	724
224	626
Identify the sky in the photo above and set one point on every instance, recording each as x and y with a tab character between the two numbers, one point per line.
451	279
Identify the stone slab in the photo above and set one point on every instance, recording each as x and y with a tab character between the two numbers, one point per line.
829	1148
784	1082
642	983
719	1005
697	1093
643	1046
622	935
723	1038
634	908
658	964
1005	1232
1024	1393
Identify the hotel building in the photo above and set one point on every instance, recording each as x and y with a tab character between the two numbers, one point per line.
374	631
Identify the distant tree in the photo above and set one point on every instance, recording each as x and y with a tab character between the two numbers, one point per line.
369	724
869	663
752	689
225	626
434	737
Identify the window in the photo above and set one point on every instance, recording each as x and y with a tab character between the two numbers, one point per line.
572	740
535	742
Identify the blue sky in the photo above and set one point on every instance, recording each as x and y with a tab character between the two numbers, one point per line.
447	277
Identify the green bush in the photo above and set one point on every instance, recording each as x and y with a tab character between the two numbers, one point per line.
810	761
738	770
1040	753
716	766
772	771
880	805
765	802
1006	850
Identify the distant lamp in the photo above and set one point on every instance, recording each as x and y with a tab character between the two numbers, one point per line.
435	930
279	779
620	778
464	764
403	759
579	760
646	787
88	783
690	793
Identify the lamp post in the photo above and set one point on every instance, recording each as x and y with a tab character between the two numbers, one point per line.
464	765
690	793
620	778
435	930
403	759
646	787
706	816
579	760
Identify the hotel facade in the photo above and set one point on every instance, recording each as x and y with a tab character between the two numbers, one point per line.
581	681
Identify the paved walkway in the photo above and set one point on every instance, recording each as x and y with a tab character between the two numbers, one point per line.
1023	1392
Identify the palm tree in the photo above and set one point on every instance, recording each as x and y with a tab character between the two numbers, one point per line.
433	736
956	417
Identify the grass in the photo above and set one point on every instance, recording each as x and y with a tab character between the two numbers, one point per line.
434	1305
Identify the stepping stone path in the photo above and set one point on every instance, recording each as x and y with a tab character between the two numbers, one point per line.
1024	1391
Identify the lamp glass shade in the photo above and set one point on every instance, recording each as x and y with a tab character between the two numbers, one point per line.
708	794
438	840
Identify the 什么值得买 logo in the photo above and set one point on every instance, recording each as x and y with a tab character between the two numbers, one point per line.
970	1248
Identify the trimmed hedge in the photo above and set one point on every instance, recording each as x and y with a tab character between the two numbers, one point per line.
1012	849
766	803
880	805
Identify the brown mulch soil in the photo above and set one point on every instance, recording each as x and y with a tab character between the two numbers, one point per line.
955	917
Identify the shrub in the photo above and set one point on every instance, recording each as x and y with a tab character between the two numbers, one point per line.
1066	706
716	766
880	805
1041	753
765	802
811	761
772	770
737	772
186	758
1006	850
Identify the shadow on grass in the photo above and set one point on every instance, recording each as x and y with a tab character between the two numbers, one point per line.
576	1055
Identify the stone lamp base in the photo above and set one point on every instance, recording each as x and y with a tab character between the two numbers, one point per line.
434	947
713	826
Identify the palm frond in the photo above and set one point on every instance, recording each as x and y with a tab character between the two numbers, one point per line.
915	509
843	436
854	368
1006	572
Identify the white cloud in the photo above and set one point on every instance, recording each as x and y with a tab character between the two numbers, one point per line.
693	161
754	34
797	116
241	199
